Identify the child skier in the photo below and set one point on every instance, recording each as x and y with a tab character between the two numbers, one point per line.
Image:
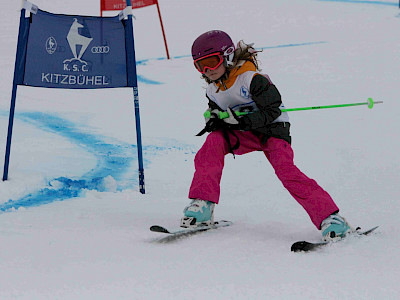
236	85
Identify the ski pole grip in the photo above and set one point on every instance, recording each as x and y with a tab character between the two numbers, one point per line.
207	114
223	114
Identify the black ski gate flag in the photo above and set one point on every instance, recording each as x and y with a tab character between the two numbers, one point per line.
75	52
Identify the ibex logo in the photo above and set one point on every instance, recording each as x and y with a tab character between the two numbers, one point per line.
75	39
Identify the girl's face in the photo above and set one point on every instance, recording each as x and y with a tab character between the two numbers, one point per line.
215	74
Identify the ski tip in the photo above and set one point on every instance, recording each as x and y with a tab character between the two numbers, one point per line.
223	223
157	228
307	246
300	246
366	232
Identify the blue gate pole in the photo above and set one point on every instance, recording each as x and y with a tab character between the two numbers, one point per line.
137	117
9	134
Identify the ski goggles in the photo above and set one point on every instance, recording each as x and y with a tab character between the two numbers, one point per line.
211	61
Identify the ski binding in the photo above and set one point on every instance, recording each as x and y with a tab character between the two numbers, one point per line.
181	231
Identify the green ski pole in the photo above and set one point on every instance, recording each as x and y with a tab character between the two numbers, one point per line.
370	102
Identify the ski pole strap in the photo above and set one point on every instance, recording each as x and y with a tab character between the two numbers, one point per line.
226	130
370	102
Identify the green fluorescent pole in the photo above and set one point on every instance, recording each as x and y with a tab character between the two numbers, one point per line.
370	103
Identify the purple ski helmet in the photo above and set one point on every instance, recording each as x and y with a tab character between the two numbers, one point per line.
214	41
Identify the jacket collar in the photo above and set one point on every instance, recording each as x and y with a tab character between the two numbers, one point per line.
241	67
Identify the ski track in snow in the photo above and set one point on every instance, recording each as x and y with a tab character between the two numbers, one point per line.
363	2
149	81
113	161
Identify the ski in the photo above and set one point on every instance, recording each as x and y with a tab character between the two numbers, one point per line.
309	246
183	231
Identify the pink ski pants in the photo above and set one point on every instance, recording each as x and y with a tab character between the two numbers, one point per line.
209	163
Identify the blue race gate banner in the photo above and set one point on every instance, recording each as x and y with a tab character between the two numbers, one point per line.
75	52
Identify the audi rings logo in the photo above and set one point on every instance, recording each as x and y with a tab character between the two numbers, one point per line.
100	49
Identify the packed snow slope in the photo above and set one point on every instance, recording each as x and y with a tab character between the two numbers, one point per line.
74	226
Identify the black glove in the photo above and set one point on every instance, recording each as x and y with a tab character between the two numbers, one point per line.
212	122
237	123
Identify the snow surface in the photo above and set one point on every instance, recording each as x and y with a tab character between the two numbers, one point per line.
95	244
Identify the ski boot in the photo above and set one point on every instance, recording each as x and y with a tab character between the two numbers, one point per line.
198	213
335	227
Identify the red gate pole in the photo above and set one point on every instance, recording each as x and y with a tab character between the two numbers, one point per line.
162	28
